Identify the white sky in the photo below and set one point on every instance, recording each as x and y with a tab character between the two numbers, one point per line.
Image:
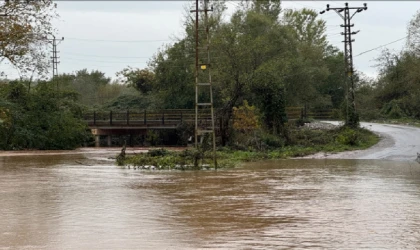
111	35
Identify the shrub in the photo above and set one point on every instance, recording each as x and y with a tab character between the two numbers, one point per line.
348	136
158	152
392	110
272	141
369	114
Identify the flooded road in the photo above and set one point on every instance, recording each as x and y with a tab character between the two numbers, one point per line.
85	202
398	143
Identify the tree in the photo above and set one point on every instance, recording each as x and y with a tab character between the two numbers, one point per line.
252	51
399	82
141	79
42	119
245	118
174	65
23	33
307	29
174	75
309	69
94	88
258	55
413	30
270	99
334	86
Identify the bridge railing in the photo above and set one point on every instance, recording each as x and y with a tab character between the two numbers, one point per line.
173	117
143	118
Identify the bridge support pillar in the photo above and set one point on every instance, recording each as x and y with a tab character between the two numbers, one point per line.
97	141
108	137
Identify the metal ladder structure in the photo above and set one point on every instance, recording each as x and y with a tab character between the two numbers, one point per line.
204	111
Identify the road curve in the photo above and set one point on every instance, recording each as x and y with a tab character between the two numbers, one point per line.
398	143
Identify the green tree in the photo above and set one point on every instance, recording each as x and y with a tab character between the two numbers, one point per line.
270	60
251	48
308	64
334	86
413	31
94	88
23	34
141	79
41	119
174	65
399	82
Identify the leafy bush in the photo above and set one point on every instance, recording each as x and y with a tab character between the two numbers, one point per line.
41	119
158	152
245	118
307	137
348	136
392	110
272	141
369	114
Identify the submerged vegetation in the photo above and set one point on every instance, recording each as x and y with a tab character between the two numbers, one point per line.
304	142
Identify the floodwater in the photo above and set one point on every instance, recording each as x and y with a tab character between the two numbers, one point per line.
85	202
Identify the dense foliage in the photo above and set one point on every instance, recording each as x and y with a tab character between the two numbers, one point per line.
263	59
23	35
40	119
396	92
263	55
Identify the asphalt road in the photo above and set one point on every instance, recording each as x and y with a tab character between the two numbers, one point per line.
398	143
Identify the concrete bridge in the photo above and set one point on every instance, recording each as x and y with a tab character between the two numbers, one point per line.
108	123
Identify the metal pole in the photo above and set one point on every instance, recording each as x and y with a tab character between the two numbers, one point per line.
55	57
352	119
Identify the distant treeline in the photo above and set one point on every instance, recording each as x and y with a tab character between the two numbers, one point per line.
263	59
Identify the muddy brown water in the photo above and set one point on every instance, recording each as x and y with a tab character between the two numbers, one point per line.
85	202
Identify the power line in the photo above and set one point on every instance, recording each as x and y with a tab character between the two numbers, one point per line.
115	41
95	64
84	60
364	52
101	61
125	57
180	54
306	6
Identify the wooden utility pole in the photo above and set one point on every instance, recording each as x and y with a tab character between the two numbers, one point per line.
203	81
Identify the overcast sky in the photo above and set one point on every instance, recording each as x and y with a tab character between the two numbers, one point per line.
111	35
